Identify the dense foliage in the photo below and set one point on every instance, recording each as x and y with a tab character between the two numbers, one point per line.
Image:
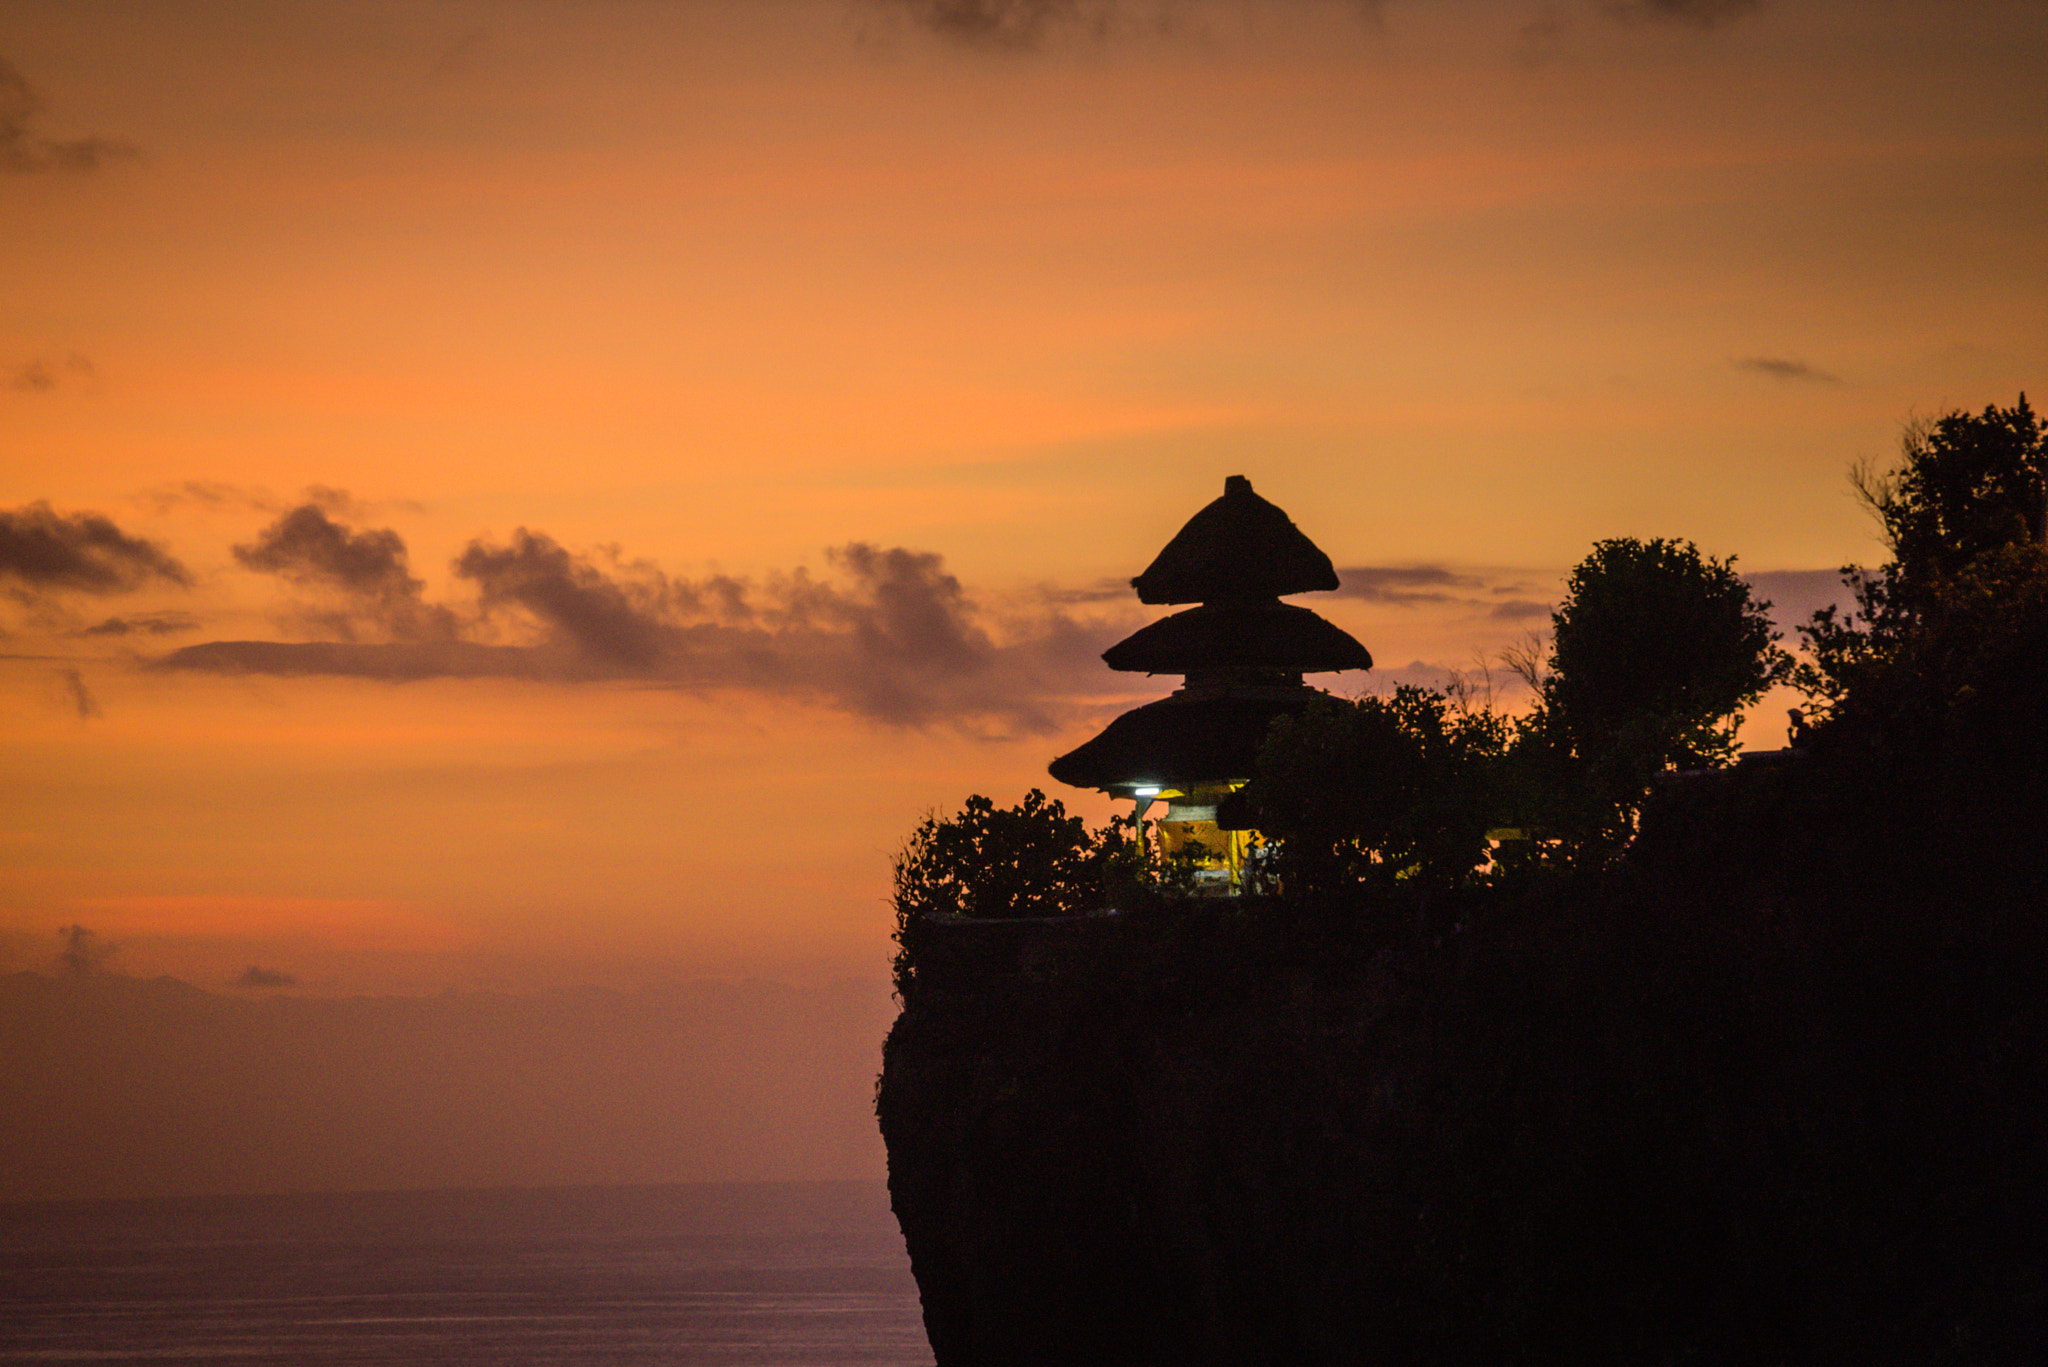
1380	791
1654	650
1029	860
1968	489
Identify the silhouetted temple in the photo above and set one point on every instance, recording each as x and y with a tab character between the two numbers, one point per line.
1242	653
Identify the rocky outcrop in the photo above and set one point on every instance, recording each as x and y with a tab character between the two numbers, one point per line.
1772	1093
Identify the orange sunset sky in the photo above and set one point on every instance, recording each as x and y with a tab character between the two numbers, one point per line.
521	495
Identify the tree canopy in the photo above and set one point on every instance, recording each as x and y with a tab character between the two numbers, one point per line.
1377	790
1965	485
1654	650
1028	860
1968	490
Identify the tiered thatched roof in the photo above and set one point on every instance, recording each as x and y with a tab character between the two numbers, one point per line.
1244	650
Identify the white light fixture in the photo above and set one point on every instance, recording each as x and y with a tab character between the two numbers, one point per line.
1145	792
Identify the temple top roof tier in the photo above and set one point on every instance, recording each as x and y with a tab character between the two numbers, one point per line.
1239	547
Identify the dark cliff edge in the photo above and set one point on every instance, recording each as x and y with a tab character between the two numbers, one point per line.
1772	1092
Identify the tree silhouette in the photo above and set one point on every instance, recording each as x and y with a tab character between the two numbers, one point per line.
1654	650
1383	791
985	861
1967	489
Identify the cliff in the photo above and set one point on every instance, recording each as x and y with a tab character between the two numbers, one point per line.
1769	1093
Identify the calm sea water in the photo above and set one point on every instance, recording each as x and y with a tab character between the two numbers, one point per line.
771	1275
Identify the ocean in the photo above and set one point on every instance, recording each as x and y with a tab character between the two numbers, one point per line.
766	1274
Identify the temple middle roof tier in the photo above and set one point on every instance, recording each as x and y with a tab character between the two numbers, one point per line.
1266	634
1193	737
1239	547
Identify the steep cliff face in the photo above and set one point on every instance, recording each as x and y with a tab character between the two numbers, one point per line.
1119	1153
1772	1094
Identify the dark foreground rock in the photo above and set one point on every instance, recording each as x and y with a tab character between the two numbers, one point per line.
1773	1093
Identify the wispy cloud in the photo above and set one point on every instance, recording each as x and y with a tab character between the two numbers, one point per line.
1405	584
1019	26
43	550
213	495
41	375
1014	25
144	624
254	976
1701	14
1784	368
1028	25
24	150
79	696
1101	591
884	633
200	493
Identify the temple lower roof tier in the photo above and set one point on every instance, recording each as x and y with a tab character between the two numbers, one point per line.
1190	738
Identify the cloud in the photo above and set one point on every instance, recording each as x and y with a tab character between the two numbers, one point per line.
253	976
615	621
45	550
1028	25
82	953
1032	25
369	568
308	546
41	375
215	495
1403	584
204	493
1780	368
884	633
1795	595
22	150
1108	590
1700	14
1011	24
146	623
889	636
900	640
79	695
391	662
1516	609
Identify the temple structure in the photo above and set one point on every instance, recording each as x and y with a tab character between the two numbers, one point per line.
1242	653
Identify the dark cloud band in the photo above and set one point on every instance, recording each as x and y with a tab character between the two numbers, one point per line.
44	550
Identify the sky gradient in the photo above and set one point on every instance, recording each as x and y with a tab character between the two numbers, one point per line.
522	495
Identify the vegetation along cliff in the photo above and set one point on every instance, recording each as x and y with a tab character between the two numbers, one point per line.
1551	1038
